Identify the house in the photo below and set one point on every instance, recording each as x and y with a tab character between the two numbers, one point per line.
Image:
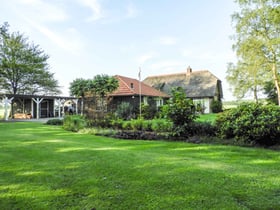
133	91
129	91
201	86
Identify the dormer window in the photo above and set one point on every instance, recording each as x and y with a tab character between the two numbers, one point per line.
131	86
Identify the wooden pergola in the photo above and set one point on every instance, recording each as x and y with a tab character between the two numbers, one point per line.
38	106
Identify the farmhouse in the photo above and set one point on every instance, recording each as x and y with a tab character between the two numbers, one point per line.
201	86
130	91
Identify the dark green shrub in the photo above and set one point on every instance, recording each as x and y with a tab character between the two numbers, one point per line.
251	123
216	106
55	122
149	111
202	129
124	111
74	123
181	111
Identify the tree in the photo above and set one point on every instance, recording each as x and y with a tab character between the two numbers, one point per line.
101	86
246	78
257	27
78	88
180	110
23	66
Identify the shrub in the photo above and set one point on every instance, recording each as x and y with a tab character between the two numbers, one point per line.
251	123
161	125
216	106
149	111
137	124
74	123
202	129
124	111
181	111
55	122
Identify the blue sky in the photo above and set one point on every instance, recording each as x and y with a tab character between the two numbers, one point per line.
88	37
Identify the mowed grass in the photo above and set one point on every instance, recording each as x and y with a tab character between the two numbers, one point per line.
45	167
210	118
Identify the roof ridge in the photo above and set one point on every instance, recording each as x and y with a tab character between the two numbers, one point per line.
178	73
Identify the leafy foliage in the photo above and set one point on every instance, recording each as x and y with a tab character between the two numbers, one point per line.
216	106
74	123
150	110
251	123
257	26
23	66
124	111
180	110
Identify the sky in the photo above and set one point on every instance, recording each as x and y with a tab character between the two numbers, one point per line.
85	38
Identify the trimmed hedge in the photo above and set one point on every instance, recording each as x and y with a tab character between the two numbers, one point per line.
55	122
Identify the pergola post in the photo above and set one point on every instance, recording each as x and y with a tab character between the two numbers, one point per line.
38	101
60	103
7	101
76	103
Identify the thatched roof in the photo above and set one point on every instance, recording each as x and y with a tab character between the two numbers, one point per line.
197	84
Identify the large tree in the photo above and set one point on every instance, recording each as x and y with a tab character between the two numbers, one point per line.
257	27
23	66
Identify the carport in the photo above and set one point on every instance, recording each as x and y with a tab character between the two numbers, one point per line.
38	106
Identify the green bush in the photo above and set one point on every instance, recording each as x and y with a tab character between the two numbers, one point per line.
126	125
124	111
181	111
161	125
251	123
74	123
216	106
147	125
137	124
202	129
55	122
149	111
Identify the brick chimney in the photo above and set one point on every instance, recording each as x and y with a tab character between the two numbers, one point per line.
189	70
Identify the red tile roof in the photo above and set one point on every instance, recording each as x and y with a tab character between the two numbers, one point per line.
129	86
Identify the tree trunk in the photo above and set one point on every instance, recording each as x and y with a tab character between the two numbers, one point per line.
276	82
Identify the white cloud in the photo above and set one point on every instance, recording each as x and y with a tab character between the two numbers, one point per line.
167	40
69	40
145	57
95	7
42	11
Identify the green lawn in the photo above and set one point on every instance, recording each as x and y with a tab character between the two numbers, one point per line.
44	167
207	118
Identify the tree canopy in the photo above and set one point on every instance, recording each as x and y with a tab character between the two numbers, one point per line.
23	65
100	86
257	26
